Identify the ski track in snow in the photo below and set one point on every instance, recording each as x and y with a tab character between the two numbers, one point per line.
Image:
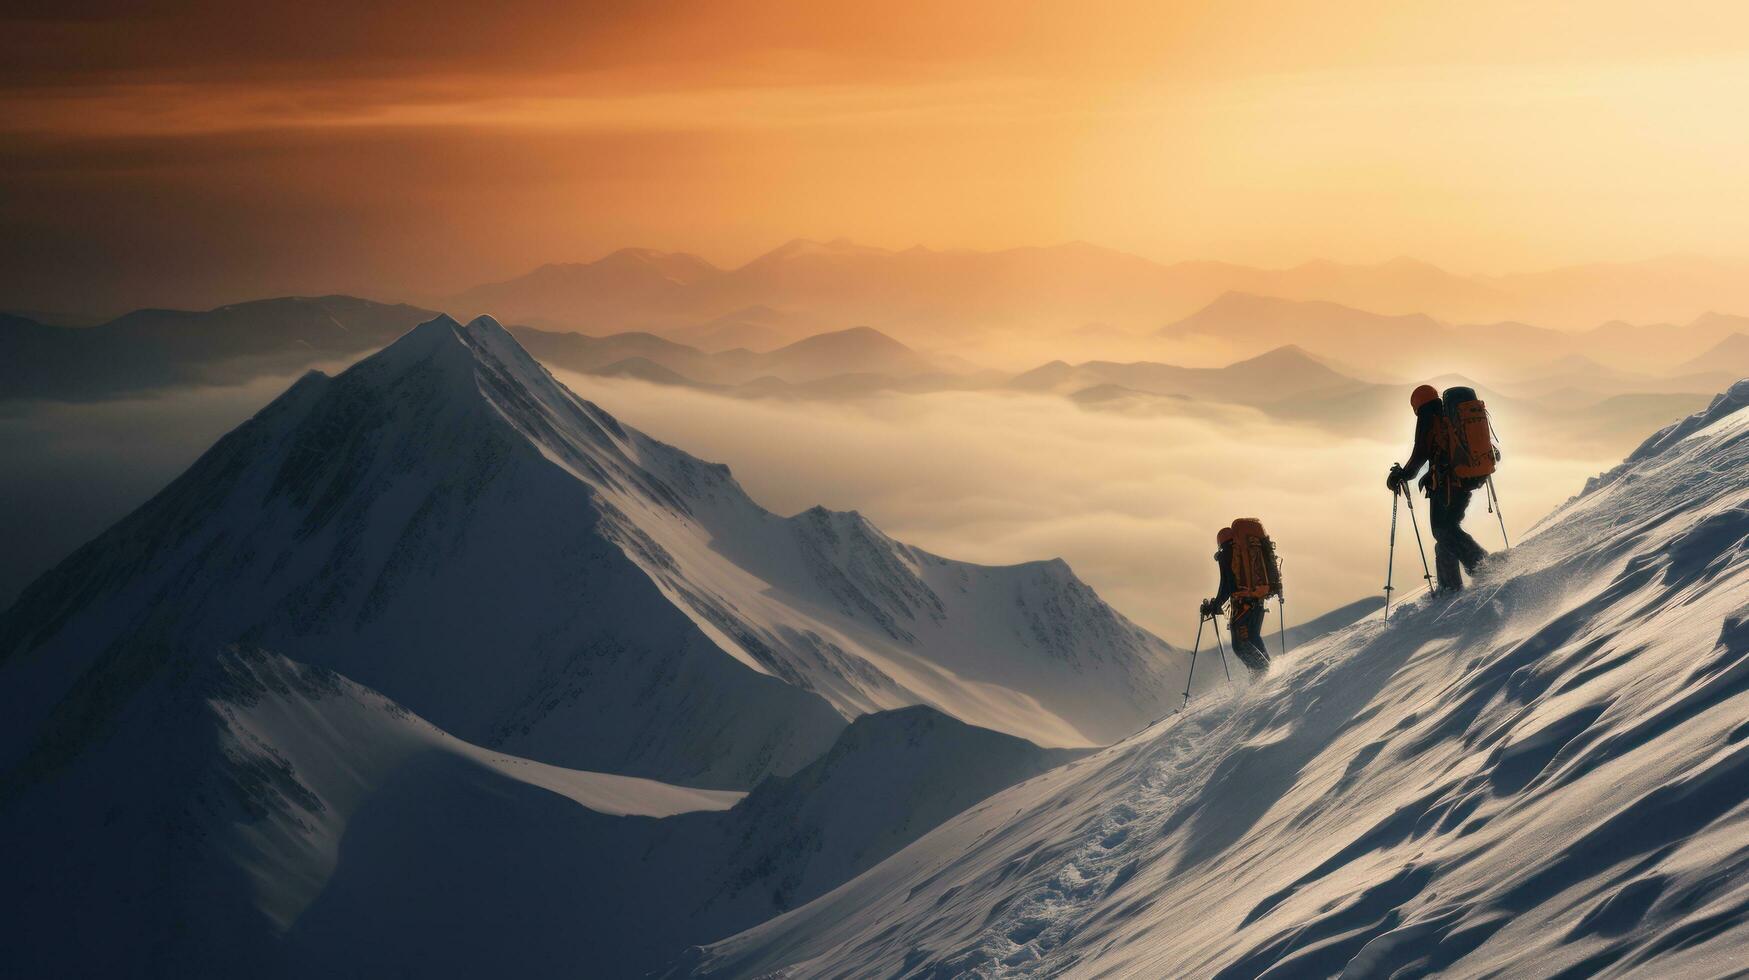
1546	776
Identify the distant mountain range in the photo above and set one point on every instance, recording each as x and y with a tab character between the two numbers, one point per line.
1311	361
918	293
1285	372
153	349
1417	343
862	350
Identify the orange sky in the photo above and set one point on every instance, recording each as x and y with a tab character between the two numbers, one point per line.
212	151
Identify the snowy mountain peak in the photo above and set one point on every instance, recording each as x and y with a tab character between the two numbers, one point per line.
448	524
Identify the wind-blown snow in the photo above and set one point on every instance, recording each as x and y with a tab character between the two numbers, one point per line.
1548	776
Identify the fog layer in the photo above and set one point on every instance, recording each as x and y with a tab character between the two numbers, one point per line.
73	469
1130	502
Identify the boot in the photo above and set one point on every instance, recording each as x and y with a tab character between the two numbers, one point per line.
1448	569
1255	660
1470	553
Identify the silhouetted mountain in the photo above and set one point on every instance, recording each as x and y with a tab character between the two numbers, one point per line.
1283	373
1728	356
1396	345
857	351
1668	289
149	349
920	293
589	355
644	369
756	328
1267	321
635	284
1663	347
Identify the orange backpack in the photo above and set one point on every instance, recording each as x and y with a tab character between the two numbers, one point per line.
1469	437
1256	571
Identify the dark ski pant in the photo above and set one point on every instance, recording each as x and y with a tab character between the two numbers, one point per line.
1245	624
1452	545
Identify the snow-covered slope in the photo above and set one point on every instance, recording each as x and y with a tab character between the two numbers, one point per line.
447	524
253	816
240	790
889	776
619	898
1548	776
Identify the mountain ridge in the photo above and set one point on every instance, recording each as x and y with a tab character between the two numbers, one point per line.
1064	285
385	521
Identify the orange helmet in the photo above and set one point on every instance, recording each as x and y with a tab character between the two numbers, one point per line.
1421	396
1224	535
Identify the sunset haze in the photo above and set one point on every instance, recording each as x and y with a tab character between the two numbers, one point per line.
204	154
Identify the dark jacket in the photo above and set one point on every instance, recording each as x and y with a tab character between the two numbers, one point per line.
1427	449
1229	584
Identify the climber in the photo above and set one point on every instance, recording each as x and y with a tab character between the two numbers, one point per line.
1245	617
1450	479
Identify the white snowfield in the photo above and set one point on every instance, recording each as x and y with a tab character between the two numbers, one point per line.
447	524
247	809
330	745
1548	776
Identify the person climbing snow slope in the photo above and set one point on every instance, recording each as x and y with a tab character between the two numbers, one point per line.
1447	486
1245	617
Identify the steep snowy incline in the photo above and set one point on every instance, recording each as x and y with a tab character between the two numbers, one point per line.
1548	776
446	523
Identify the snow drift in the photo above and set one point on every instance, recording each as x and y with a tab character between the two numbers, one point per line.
1547	776
447	524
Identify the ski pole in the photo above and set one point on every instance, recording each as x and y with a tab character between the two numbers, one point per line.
1193	650
1391	557
1494	500
1281	625
1223	648
1426	573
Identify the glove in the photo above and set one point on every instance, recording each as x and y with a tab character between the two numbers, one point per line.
1209	607
1394	481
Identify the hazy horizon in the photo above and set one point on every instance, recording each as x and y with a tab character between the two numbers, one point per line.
178	156
437	297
